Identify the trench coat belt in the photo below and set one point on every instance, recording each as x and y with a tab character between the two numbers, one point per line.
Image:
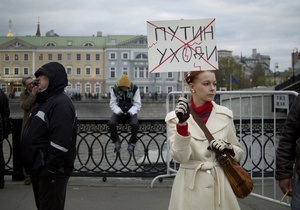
202	166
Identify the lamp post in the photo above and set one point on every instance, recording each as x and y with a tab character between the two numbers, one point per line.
295	58
275	67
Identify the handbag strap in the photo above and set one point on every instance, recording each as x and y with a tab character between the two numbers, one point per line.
201	124
203	127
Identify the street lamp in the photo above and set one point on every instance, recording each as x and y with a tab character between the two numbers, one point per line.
295	58
275	67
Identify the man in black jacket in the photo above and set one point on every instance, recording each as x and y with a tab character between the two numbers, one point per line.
288	156
4	131
49	138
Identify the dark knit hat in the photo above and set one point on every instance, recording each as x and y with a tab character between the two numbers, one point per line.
124	81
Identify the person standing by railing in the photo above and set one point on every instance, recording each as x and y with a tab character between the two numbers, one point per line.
288	156
27	102
49	138
4	131
200	182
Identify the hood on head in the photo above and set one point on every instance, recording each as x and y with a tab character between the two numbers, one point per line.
57	76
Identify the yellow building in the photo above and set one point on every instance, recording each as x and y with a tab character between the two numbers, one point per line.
83	58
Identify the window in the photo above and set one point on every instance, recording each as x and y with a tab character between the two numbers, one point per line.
51	44
40	57
78	71
59	57
88	44
16	71
6	71
69	57
88	88
97	88
88	57
6	57
141	72
125	70
4	88
26	57
112	72
157	75
112	56
16	57
97	71
170	75
158	89
26	71
78	87
50	57
169	89
142	41
87	70
97	57
125	56
142	90
141	56
69	70
78	57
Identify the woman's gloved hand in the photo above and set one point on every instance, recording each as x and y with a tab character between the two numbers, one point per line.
182	110
221	145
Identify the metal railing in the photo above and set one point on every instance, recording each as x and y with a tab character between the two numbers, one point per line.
258	120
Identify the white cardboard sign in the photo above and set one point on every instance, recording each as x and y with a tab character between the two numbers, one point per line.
182	45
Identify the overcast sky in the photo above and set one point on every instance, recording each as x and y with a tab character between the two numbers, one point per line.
270	26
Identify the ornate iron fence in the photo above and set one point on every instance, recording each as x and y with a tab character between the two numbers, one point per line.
96	157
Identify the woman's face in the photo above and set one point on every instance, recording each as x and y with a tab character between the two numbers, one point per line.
203	88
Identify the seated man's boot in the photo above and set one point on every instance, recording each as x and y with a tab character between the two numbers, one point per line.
130	148
117	146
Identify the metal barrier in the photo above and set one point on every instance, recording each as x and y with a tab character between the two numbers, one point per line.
95	150
96	157
258	117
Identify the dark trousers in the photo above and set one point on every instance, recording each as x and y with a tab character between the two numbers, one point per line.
2	164
295	202
49	190
116	119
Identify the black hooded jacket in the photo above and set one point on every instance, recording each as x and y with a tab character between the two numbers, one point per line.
49	136
288	149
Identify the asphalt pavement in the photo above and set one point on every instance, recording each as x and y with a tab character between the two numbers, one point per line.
87	193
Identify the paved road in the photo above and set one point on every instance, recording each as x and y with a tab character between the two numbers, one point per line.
115	194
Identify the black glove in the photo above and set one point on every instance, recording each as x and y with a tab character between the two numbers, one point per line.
220	145
182	110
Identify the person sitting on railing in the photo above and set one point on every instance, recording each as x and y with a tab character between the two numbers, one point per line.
200	182
125	102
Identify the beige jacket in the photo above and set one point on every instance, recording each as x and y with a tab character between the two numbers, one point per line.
200	182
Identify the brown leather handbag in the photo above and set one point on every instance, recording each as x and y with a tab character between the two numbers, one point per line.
240	181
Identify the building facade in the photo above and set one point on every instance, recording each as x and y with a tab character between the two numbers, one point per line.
93	64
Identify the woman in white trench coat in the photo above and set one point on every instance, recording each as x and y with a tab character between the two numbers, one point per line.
200	183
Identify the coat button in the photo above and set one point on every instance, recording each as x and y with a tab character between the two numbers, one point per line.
207	155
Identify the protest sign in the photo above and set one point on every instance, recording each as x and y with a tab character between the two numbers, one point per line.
182	45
